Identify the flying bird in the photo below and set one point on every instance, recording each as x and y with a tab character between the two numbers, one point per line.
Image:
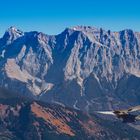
125	115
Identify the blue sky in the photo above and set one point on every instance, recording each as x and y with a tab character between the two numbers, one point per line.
53	16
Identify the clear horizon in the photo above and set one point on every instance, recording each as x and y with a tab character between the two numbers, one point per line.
53	16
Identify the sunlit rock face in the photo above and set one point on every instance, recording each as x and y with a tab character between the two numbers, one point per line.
82	67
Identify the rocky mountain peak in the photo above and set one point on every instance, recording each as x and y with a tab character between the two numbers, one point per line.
12	34
14	31
84	28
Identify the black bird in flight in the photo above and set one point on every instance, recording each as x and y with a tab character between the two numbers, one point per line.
125	115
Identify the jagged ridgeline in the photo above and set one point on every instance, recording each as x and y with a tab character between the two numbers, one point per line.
82	67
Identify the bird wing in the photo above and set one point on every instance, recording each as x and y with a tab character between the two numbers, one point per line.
137	118
133	109
106	112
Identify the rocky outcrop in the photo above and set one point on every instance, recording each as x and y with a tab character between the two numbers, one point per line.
22	119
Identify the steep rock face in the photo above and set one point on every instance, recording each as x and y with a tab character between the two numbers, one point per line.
82	67
25	61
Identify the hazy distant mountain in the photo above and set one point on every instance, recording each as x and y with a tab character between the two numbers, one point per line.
83	67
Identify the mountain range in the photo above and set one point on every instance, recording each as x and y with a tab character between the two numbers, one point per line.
83	67
51	85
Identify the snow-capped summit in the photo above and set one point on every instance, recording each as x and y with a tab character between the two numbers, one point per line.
83	28
14	31
12	34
